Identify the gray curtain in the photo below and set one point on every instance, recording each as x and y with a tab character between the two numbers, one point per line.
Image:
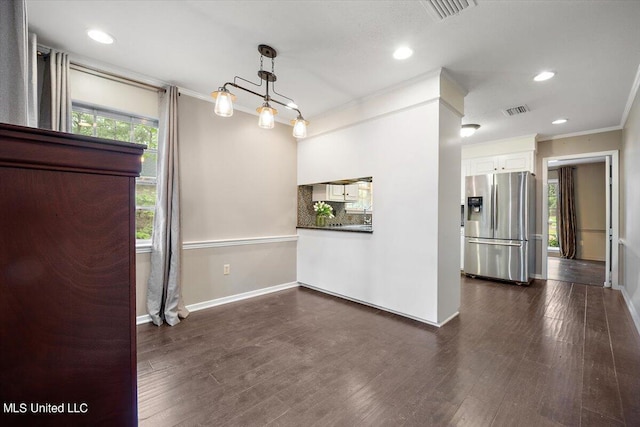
164	289
566	213
14	63
55	102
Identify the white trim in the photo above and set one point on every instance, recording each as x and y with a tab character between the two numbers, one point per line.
418	319
146	247
359	121
632	310
226	300
141	320
581	133
143	248
238	242
451	108
632	97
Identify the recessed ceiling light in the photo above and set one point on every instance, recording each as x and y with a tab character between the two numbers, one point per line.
402	53
468	130
100	36
559	121
545	75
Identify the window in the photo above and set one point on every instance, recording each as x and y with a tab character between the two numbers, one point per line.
553	214
365	199
104	123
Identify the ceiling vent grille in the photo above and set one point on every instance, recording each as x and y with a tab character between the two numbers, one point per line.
441	9
514	111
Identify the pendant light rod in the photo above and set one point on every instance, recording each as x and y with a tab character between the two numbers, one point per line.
265	97
224	98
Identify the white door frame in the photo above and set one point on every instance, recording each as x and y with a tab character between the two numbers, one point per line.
613	210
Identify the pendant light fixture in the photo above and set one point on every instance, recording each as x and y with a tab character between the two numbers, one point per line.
266	113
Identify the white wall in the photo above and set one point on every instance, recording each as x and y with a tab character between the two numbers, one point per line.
410	264
630	233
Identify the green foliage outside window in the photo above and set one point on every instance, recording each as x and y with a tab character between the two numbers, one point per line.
102	123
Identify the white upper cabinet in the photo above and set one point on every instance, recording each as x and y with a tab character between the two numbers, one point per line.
506	155
335	193
351	193
514	162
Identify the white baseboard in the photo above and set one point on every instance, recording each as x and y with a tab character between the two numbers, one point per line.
417	319
632	309
226	300
145	318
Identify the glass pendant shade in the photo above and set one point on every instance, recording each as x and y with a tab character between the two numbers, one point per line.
224	103
267	116
299	127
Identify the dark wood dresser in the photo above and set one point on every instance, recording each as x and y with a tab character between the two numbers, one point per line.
67	279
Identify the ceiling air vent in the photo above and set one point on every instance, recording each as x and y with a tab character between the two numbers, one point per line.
441	9
514	111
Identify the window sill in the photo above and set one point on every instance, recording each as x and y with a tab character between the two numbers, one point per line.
143	246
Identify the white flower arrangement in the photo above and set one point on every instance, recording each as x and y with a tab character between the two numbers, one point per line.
323	209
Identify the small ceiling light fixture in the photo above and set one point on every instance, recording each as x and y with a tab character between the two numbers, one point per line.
559	121
100	36
468	130
266	119
545	75
402	52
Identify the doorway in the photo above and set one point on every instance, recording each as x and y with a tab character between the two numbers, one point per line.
597	213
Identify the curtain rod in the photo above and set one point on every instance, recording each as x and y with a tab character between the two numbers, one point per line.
114	77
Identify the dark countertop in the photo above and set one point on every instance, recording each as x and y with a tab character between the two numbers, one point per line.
356	228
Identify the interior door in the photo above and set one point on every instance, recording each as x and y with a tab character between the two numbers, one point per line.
511	198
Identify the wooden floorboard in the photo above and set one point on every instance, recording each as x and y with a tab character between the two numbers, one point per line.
584	272
550	354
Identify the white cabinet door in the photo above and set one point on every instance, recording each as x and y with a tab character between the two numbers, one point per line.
351	193
328	193
463	174
516	162
336	193
483	165
504	163
320	193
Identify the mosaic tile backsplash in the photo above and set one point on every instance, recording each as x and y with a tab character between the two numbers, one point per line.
307	216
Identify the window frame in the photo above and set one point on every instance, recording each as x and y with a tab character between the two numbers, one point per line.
351	210
132	119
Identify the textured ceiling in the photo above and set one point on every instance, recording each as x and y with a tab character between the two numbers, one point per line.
335	52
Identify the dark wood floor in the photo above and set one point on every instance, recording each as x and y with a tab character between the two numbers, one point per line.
576	271
553	353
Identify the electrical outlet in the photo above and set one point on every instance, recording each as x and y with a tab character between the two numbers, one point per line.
227	269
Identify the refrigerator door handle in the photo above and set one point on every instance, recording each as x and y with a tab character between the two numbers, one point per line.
495	206
484	242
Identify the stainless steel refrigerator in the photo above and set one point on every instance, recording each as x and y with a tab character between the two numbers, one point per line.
499	222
